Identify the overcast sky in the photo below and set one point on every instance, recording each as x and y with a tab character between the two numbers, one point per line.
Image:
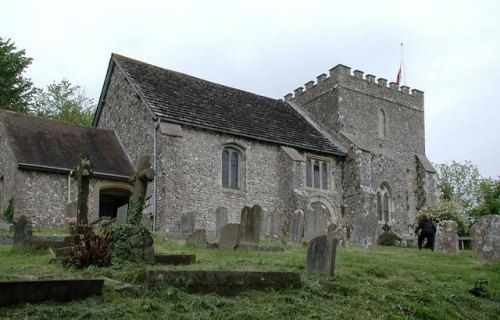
451	51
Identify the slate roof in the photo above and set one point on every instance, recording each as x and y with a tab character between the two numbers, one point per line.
180	98
51	145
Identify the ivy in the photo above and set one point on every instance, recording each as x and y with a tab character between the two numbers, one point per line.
120	240
8	213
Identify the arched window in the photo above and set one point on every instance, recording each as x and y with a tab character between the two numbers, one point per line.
232	165
384	203
382	124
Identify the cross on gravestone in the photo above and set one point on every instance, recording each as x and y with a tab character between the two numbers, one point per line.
144	174
83	174
250	224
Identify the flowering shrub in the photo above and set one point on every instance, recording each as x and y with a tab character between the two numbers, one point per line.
446	210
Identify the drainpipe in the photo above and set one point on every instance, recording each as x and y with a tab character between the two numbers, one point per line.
69	185
155	168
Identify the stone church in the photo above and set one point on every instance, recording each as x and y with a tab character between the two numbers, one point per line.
348	145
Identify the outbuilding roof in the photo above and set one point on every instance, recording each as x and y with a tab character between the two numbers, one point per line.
179	98
43	144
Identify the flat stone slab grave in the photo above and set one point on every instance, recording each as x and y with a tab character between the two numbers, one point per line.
29	291
224	282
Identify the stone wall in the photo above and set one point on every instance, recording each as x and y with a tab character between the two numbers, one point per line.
190	178
7	170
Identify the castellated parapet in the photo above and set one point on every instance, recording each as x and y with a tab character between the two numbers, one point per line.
341	76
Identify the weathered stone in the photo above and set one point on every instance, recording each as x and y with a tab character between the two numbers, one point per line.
224	282
144	174
197	238
187	222
275	228
446	239
23	235
321	253
250	224
221	219
316	221
83	173
340	234
264	225
175	259
296	226
149	255
331	227
229	236
486	235
146	222
121	216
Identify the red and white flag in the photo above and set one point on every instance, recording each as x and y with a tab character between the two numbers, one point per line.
398	77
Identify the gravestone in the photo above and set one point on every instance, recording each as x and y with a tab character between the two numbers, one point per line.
316	221
446	239
264	219
229	237
186	224
486	237
321	253
146	221
220	219
296	225
341	235
197	238
250	224
121	216
83	174
23	234
275	227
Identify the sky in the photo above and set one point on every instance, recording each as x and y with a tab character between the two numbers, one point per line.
451	51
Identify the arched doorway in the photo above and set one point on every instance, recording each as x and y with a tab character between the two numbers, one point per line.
110	199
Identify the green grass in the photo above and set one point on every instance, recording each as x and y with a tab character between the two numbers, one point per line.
379	283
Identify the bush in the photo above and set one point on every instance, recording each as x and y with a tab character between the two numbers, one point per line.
387	238
93	249
8	213
446	210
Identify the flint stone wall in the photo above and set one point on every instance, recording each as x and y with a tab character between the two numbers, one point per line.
486	235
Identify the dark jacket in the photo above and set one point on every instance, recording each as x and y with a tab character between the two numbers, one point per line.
426	224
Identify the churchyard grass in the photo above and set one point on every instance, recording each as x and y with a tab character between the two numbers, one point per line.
378	283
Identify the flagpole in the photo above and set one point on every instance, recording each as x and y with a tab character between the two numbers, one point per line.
402	65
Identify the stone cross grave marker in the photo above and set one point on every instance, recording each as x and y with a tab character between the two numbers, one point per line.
275	228
321	253
220	219
316	221
83	174
296	225
144	174
229	236
250	224
23	232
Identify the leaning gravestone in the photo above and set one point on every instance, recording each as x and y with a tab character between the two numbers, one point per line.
229	237
486	237
296	224
197	238
186	224
446	239
275	228
264	219
23	234
250	224
316	222
220	219
321	253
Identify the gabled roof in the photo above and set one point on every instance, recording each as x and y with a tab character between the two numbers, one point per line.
179	98
42	144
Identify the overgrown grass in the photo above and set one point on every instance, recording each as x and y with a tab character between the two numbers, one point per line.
379	283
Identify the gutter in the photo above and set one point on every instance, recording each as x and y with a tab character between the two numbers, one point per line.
95	174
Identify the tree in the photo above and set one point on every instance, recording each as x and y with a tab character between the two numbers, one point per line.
446	210
490	198
64	102
15	89
459	182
